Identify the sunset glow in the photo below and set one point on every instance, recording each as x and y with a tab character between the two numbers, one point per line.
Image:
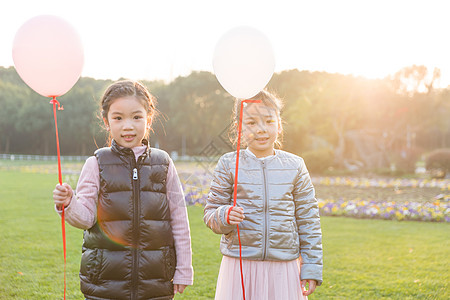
166	39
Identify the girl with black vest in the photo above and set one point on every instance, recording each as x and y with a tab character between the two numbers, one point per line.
131	205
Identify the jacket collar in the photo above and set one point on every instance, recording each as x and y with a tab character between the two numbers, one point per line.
248	153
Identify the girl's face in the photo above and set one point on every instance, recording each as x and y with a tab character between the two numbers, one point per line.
127	121
260	128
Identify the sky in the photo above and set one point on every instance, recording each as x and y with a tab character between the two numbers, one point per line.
161	40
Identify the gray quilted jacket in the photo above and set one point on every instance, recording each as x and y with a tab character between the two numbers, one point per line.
281	211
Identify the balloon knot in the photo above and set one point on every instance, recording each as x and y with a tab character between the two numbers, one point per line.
251	101
54	101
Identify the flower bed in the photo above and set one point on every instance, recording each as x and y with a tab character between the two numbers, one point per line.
444	184
437	210
196	187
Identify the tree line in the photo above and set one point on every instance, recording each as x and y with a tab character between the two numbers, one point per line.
329	119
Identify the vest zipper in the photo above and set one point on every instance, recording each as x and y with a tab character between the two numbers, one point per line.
265	206
135	250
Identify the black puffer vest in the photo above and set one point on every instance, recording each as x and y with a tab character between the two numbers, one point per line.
129	253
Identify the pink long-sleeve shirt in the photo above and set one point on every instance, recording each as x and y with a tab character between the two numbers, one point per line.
82	212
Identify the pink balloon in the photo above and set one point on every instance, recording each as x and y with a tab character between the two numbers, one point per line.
48	55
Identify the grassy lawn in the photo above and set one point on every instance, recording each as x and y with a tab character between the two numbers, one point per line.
363	259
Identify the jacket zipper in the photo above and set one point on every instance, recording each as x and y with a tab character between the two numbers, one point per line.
266	218
136	213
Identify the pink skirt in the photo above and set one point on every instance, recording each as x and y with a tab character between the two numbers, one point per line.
263	280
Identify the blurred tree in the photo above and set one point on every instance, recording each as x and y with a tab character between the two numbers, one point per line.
298	90
370	120
35	118
415	79
196	109
79	121
11	99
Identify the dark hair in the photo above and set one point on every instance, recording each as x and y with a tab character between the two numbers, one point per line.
128	88
268	99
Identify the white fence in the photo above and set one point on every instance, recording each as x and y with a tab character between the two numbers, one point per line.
174	155
41	157
27	157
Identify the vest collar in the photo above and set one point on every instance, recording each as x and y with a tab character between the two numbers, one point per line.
128	151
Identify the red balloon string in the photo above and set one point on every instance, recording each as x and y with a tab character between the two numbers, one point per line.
63	225
235	185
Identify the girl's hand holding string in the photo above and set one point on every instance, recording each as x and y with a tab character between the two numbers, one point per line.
236	215
62	194
311	286
178	288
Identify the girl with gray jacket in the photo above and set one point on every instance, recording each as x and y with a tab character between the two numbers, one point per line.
276	210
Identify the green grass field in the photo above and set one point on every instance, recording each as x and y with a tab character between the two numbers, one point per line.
363	259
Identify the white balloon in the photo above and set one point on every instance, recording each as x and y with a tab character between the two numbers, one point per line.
243	61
